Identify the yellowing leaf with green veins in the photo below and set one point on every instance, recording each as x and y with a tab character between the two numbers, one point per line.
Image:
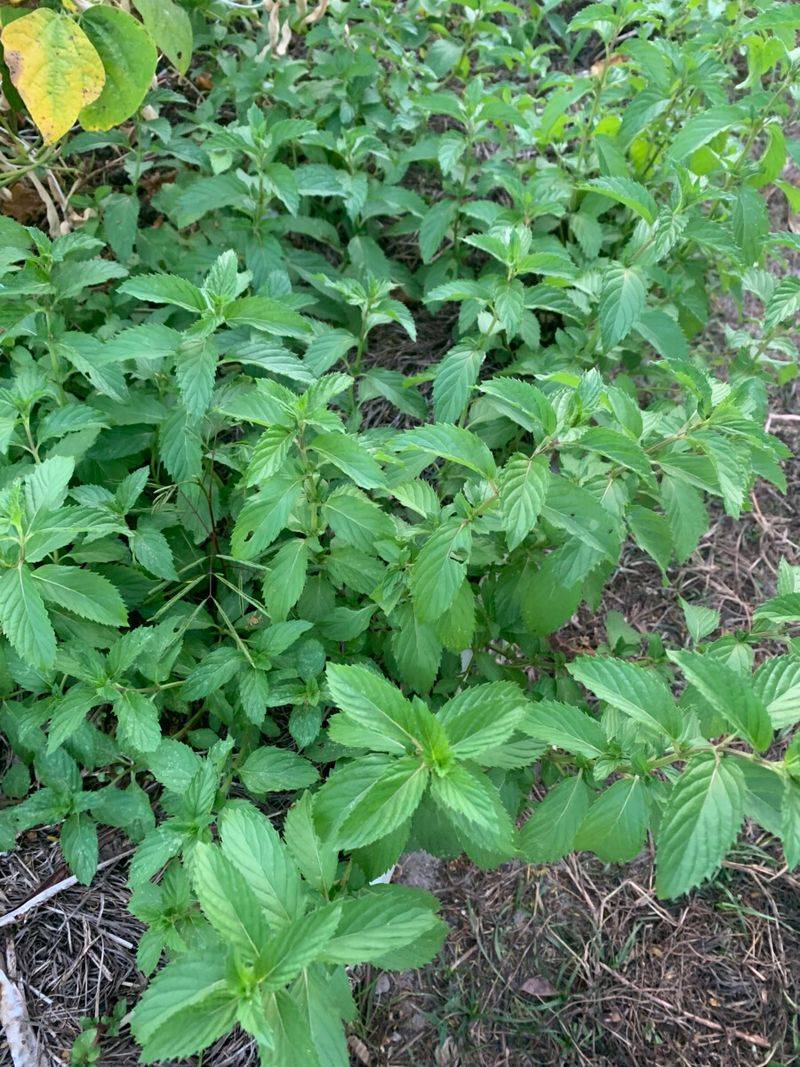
54	67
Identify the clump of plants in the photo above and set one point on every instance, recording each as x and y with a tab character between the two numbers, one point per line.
280	608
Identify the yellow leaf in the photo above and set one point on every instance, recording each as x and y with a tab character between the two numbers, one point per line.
54	67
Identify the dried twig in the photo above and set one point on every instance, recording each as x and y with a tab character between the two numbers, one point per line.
16	1025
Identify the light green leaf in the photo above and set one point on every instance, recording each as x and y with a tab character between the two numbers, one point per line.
439	570
615	825
622	301
729	693
524	482
564	726
699	824
24	618
637	691
228	901
254	847
349	455
625	191
384	719
387	803
482	717
549	833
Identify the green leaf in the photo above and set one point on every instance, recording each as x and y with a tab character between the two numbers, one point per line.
637	691
78	840
375	713
467	795
729	693
578	512
296	945
276	770
455	379
439	570
228	901
151	548
652	533
663	333
24	618
255	849
790	823
524	483
779	609
549	833
435	223
80	591
482	717
286	579
700	621
129	59
316	859
138	720
699	824
195	371
564	726
622	301
615	825
164	289
377	922
749	224
268	315
384	804
777	684
195	981
169	26
702	128
625	191
70	713
417	649
357	520
454	444
619	448
349	455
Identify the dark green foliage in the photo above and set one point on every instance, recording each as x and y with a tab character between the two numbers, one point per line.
250	565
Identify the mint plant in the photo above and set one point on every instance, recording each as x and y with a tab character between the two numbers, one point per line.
280	608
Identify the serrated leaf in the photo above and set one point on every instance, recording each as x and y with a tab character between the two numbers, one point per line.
615	825
455	378
622	302
524	483
80	591
625	191
24	618
481	717
170	28
564	726
729	693
637	691
439	570
549	834
699	824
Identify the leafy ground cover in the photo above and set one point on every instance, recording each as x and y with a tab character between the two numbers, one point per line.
380	365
